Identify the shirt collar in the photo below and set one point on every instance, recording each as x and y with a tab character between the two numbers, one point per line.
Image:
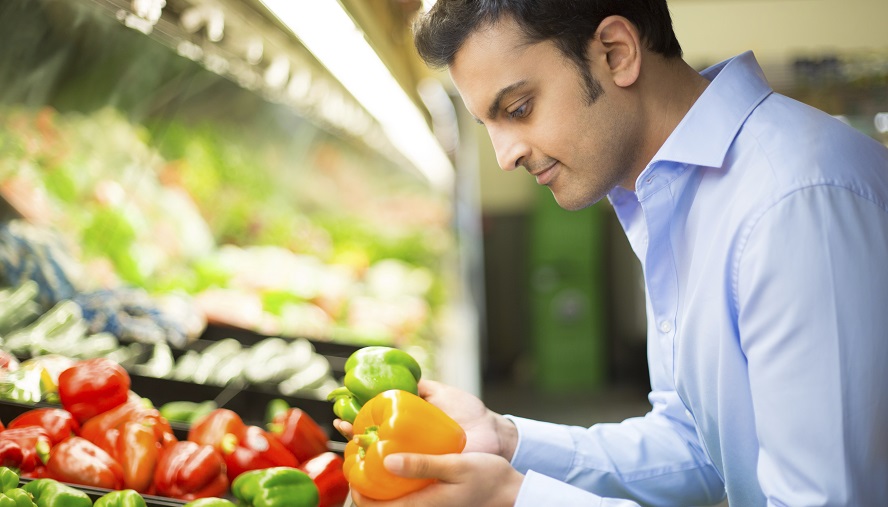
706	132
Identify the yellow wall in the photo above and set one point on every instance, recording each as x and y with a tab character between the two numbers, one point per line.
712	30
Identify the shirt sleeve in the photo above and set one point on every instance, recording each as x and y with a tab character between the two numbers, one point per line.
650	460
811	289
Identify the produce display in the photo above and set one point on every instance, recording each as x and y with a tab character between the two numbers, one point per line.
103	435
290	366
203	215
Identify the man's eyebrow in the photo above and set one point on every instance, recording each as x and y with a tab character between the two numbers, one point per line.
497	101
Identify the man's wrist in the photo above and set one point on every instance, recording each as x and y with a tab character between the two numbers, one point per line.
507	433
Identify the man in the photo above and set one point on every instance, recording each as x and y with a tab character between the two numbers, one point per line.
762	228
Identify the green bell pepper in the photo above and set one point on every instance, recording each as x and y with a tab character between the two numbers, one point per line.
275	487
210	502
370	371
345	405
16	497
8	479
52	493
122	498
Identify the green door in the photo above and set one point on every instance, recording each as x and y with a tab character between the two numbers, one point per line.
567	295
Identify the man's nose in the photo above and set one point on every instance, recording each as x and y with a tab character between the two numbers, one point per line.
511	150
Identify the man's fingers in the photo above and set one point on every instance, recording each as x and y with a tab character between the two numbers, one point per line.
421	466
426	388
344	428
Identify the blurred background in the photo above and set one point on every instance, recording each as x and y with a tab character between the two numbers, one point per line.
205	176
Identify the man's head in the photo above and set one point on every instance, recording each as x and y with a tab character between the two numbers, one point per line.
534	73
569	24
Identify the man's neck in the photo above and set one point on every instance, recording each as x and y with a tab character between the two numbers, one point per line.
669	88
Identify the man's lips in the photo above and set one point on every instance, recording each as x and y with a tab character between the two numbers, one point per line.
545	175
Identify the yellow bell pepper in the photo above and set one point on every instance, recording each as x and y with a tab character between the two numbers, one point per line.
396	421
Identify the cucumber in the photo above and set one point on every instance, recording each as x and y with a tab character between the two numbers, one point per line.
186	411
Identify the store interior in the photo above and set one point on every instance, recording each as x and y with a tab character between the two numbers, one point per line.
230	197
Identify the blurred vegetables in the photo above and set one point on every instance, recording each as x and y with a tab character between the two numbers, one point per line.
187	411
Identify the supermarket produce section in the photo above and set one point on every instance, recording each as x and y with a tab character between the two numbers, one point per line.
91	431
182	285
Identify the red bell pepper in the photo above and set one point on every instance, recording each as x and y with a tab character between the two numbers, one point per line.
137	451
257	450
93	386
219	425
24	448
39	472
58	423
79	461
326	471
187	470
102	429
299	433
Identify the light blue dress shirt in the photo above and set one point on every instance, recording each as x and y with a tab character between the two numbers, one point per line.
762	228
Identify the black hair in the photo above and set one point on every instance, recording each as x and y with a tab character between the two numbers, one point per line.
570	24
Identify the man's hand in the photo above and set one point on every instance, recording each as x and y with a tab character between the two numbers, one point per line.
486	431
474	478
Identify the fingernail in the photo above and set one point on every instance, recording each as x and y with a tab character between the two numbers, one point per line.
394	463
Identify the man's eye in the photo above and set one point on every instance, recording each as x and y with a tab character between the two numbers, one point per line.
521	111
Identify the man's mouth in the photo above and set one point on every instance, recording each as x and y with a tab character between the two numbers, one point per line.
546	174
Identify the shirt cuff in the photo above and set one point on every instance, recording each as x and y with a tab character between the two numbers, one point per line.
537	489
538	443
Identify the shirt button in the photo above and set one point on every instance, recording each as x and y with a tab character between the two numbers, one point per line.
665	326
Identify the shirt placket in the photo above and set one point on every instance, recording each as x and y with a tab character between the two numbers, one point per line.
660	273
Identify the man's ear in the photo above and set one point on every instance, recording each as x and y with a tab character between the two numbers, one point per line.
618	44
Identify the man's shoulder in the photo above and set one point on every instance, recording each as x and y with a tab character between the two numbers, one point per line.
789	143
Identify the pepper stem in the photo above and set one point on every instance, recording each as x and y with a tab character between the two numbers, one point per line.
229	443
42	447
366	439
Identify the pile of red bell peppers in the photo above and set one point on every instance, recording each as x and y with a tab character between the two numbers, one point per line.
106	436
